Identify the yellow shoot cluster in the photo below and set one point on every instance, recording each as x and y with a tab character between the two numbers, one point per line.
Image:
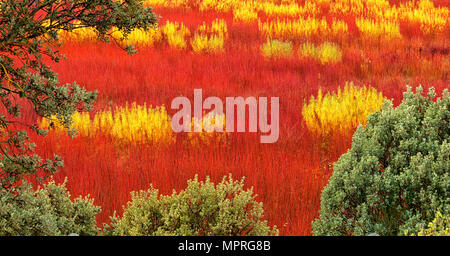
208	135
245	15
218	27
277	49
294	29
78	35
175	34
210	39
339	28
132	124
325	53
342	111
287	20
440	226
168	3
207	39
380	30
340	7
136	37
218	5
140	125
139	37
289	10
207	44
431	19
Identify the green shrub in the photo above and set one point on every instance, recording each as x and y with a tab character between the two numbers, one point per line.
396	175
47	211
201	209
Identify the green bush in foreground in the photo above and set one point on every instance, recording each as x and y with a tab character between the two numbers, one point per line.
202	208
47	211
396	175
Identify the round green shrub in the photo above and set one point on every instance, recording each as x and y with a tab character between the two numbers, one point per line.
202	209
396	175
48	211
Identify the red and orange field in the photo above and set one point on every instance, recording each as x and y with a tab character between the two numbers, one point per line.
331	63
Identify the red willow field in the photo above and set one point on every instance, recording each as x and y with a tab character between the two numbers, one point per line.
288	176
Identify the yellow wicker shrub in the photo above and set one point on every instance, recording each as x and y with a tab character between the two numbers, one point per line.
136	37
168	3
294	29
289	20
133	124
176	33
210	38
277	49
341	111
339	28
378	29
218	27
431	19
339	7
140	37
208	136
205	44
218	5
325	53
78	35
245	15
440	226
291	10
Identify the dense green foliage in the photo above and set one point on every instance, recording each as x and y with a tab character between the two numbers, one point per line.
396	175
28	36
225	209
47	211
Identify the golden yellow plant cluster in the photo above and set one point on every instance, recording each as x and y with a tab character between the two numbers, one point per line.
245	15
140	125
377	12
209	123
289	9
341	111
176	34
271	8
78	35
375	29
207	38
325	53
210	38
277	49
431	19
440	226
136	37
168	3
286	21
134	124
302	28
294	29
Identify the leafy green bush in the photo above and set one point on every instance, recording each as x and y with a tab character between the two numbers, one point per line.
396	175
47	211
201	209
